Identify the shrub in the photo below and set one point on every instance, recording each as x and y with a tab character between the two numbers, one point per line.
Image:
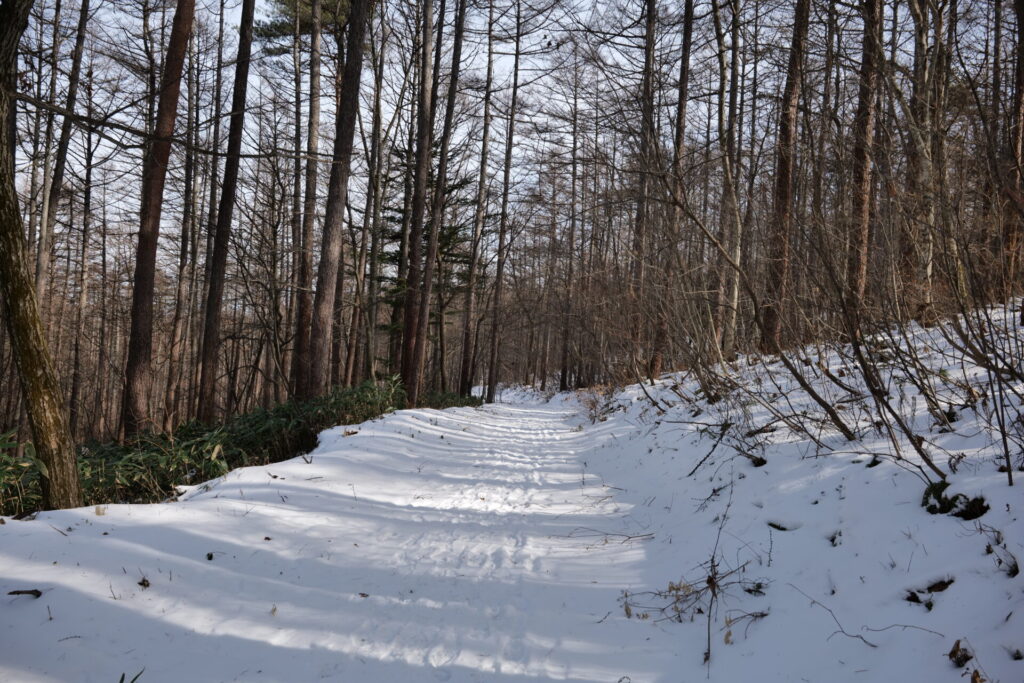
146	469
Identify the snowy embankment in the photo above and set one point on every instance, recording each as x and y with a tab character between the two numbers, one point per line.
581	538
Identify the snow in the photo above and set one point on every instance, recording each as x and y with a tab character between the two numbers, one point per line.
508	542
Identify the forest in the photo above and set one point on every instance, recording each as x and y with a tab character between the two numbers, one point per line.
483	280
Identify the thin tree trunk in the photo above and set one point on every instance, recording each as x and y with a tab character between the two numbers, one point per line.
337	196
480	212
49	205
494	359
103	354
570	279
437	209
731	224
424	138
1013	239
295	222
61	156
376	171
643	228
139	371
782	212
179	324
304	316
863	172
83	284
672	261
402	279
207	411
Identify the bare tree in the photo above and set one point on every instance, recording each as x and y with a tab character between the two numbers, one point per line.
503	221
437	210
863	171
42	396
420	176
304	276
136	413
782	212
337	197
479	215
211	330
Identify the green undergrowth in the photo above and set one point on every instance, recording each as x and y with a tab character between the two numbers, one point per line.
147	469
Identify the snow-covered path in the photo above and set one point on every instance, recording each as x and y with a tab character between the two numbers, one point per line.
495	544
464	545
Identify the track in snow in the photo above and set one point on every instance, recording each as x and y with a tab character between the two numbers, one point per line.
468	544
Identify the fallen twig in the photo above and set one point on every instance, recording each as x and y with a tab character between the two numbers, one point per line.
904	627
834	618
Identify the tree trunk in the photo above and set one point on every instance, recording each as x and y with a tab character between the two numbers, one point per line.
480	212
570	275
1013	240
377	173
337	195
437	211
424	139
494	359
179	324
207	411
782	212
863	171
61	157
731	224
643	228
304	315
83	284
402	279
41	392
47	219
139	371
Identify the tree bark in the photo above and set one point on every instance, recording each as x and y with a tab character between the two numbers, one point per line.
480	213
1013	239
304	314
863	171
61	156
424	139
494	358
41	392
139	372
207	411
774	301
437	211
83	284
337	196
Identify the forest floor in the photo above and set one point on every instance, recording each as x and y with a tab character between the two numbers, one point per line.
559	538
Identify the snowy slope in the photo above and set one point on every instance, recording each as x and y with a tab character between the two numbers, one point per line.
826	566
562	540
